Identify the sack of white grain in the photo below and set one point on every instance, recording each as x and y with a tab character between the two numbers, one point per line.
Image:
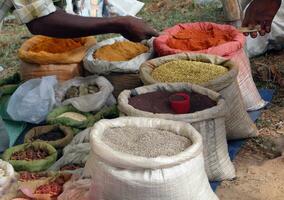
166	163
8	181
231	46
238	123
209	120
85	93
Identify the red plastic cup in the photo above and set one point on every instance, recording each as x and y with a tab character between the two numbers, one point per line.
180	103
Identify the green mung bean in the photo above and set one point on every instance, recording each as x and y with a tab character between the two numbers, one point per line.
188	71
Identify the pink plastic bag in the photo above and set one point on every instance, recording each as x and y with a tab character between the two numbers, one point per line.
233	50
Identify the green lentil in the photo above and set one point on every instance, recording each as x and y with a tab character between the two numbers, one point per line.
188	71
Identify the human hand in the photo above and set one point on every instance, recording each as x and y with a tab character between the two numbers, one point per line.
261	13
135	29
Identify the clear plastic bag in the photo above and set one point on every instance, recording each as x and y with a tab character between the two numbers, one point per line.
33	100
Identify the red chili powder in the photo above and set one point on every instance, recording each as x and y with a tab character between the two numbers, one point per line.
196	39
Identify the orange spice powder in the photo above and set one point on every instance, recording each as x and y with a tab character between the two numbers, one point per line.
196	39
120	51
55	45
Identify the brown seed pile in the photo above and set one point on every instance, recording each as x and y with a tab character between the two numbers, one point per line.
50	136
145	142
188	71
30	154
81	90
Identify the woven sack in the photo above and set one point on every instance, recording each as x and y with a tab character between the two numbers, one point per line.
90	102
63	72
233	50
41	130
70	57
97	66
122	176
123	81
238	123
210	123
34	165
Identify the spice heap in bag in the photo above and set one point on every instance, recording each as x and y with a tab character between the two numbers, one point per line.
197	39
120	51
146	142
159	102
30	154
56	45
83	89
188	71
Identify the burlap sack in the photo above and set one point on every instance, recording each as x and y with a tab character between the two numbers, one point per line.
238	123
210	123
122	176
233	50
69	57
40	130
63	72
32	165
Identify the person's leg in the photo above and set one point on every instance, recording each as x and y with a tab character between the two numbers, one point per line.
232	11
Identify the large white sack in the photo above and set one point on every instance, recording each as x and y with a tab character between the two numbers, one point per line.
97	66
121	176
210	123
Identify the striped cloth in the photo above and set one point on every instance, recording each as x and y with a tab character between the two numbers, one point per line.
26	10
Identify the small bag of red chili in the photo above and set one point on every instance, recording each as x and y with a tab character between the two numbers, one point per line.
47	189
33	157
214	39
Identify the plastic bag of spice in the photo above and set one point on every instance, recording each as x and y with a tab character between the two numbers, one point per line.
57	136
46	50
125	57
47	189
207	116
8	181
33	157
85	93
117	175
238	123
33	100
215	39
73	159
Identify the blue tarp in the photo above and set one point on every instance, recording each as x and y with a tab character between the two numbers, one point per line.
236	145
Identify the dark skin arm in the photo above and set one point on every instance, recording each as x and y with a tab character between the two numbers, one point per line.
261	12
63	25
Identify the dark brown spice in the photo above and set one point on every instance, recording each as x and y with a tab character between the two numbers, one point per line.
158	102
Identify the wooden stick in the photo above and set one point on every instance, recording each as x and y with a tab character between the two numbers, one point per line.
249	30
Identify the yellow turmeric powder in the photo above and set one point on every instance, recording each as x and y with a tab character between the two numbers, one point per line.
120	51
56	45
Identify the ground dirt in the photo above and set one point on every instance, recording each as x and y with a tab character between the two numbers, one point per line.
260	163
